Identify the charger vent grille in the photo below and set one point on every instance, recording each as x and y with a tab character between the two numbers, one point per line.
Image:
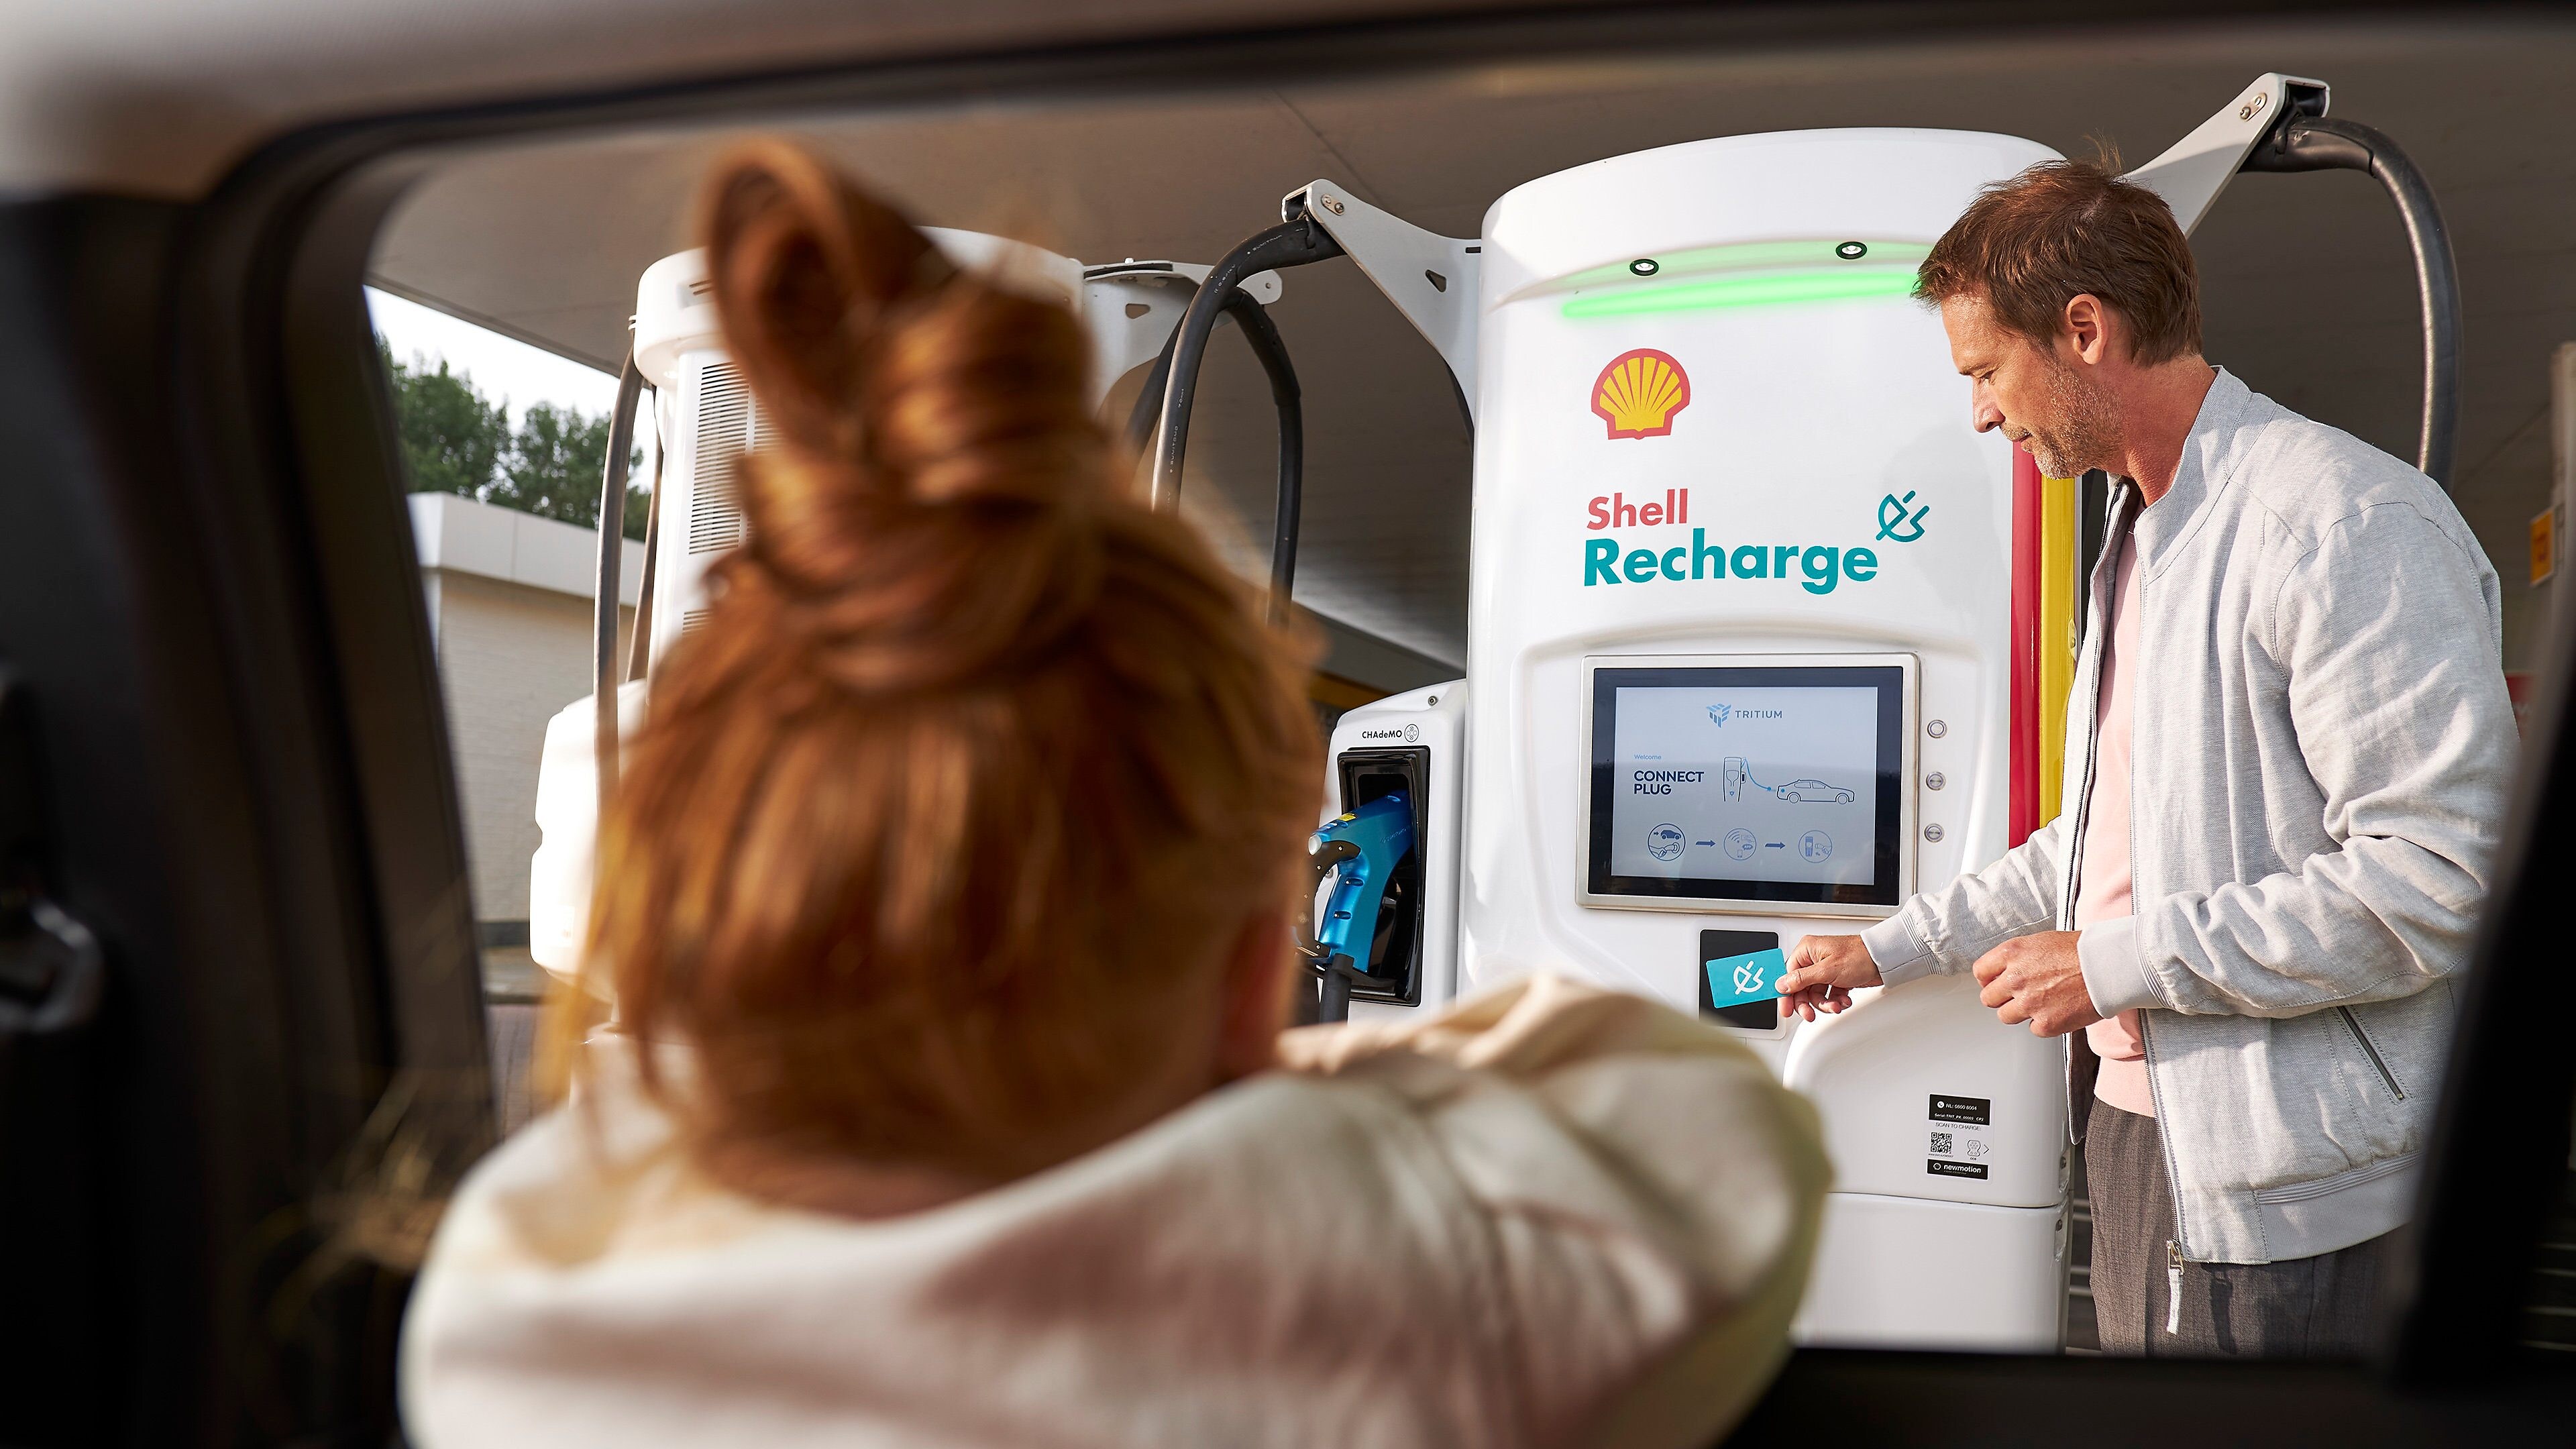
729	426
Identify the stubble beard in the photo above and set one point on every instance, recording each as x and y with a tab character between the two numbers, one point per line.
2079	435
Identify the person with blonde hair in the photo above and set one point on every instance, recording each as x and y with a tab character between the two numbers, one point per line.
944	902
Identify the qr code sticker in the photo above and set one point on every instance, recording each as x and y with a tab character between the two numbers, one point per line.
1941	1143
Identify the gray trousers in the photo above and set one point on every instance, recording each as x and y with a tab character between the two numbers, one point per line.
2320	1307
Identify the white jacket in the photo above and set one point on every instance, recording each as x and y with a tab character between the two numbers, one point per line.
2323	750
1551	1215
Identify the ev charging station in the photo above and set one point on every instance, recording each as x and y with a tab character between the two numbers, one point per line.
1762	639
1740	667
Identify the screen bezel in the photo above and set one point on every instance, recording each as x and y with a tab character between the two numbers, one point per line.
1892	866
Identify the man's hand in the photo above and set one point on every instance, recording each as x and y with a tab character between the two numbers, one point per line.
2037	979
1822	972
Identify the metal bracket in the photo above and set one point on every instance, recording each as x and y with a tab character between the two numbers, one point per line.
1130	308
1432	279
2194	170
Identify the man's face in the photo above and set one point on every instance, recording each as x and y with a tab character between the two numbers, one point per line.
2035	394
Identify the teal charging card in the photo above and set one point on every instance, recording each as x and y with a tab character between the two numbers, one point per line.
1755	976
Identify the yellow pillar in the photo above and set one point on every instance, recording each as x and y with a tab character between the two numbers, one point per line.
2058	628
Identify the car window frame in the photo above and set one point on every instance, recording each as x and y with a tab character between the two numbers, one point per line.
276	374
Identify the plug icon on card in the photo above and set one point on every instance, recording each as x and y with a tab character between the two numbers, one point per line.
1753	976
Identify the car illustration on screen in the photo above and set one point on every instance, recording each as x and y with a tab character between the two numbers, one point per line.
1814	792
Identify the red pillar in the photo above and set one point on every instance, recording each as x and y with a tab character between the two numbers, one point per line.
2028	530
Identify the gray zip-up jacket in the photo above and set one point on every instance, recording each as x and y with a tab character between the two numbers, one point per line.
2322	750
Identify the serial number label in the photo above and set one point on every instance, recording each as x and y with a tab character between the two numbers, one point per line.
1975	1111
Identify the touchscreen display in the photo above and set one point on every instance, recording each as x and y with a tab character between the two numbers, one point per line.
1764	783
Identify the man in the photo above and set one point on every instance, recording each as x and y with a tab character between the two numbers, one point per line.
2250	920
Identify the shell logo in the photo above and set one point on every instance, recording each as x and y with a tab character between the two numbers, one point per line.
1638	393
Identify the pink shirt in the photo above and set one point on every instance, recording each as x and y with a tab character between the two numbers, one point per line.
2102	890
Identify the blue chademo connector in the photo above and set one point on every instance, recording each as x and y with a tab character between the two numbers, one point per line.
1358	853
1382	830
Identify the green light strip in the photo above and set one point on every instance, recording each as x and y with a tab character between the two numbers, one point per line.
1759	289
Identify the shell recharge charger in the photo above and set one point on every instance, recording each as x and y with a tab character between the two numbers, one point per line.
1762	639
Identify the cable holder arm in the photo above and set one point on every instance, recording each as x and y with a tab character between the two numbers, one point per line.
1435	281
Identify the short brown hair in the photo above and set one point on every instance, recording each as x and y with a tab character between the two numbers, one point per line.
2060	229
976	764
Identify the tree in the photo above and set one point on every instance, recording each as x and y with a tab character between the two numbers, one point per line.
451	438
552	467
455	440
